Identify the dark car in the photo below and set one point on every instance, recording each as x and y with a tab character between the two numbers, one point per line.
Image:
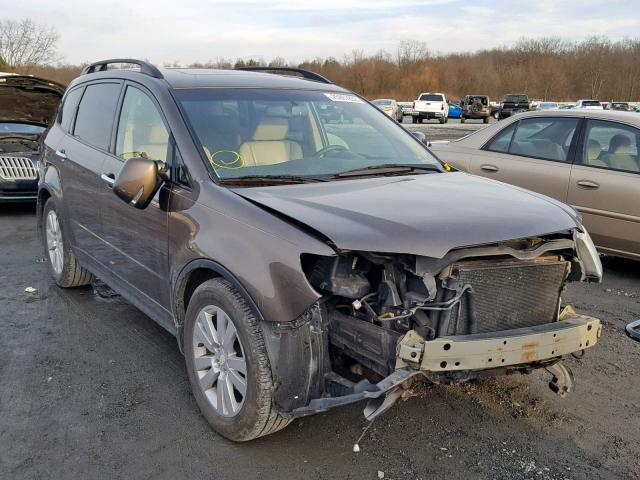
513	103
621	106
303	262
27	106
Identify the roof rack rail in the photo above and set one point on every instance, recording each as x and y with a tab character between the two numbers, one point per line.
101	66
316	77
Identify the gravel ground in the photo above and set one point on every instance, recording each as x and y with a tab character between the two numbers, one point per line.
92	388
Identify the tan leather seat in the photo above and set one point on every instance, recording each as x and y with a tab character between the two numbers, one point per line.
623	161
594	149
156	144
269	144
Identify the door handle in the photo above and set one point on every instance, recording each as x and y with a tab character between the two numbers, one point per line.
108	178
588	184
61	154
489	168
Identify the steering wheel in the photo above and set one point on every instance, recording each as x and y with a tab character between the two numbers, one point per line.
330	148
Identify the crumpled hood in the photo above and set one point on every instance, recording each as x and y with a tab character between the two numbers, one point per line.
29	99
425	215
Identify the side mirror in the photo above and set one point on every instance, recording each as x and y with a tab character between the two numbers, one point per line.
139	180
420	136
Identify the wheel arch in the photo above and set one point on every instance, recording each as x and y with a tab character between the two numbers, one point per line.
194	274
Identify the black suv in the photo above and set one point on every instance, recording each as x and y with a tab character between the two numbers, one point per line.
305	249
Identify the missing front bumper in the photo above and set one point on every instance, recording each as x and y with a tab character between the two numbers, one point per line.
520	346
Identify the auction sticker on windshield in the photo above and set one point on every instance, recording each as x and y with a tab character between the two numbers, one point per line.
343	97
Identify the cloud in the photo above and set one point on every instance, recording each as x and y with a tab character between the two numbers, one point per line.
192	30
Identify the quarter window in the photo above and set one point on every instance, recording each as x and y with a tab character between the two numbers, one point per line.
611	145
141	131
95	114
69	108
501	142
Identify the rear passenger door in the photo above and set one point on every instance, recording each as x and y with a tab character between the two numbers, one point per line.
534	153
81	155
605	185
136	240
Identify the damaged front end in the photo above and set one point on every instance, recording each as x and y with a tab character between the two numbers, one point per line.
384	319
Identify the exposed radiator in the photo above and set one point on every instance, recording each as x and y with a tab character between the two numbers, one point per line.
17	168
507	294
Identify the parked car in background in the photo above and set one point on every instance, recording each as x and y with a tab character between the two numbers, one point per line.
476	107
455	110
495	109
620	106
406	108
430	106
547	106
390	107
587	158
589	105
513	103
27	107
302	264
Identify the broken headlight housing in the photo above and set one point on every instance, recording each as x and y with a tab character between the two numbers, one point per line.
588	256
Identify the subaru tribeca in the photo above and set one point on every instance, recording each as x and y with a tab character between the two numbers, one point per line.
306	251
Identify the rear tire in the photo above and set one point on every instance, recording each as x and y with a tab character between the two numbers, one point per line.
485	120
442	120
414	119
253	413
462	119
62	263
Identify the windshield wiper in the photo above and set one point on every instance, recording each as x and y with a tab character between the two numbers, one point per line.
388	168
267	179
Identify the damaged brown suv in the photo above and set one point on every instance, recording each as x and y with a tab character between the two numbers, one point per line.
306	251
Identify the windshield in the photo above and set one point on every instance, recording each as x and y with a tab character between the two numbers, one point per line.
430	97
590	103
262	132
381	102
11	128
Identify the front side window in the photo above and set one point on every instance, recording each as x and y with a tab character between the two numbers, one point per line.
546	138
611	145
141	131
95	114
262	132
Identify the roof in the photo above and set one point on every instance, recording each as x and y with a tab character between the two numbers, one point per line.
621	116
211	78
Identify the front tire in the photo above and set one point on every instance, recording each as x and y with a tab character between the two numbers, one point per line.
63	264
227	364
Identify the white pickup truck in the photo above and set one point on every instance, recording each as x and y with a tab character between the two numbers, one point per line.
430	106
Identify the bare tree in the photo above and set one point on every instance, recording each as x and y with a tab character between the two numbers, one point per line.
26	43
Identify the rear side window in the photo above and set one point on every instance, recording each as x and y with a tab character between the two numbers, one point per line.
431	98
95	114
69	108
500	143
547	138
611	145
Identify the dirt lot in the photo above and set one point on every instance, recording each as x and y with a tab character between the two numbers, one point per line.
92	388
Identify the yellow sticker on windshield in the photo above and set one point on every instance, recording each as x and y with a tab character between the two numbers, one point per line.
227	159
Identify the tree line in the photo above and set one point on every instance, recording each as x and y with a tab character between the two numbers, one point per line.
548	68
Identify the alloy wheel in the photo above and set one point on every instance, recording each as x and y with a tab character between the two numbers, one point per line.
55	245
219	361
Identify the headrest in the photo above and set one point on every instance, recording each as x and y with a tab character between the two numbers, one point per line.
593	149
158	134
271	128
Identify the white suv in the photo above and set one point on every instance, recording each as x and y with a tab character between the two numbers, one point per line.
430	106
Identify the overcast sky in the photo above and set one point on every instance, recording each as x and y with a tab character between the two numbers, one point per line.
304	29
